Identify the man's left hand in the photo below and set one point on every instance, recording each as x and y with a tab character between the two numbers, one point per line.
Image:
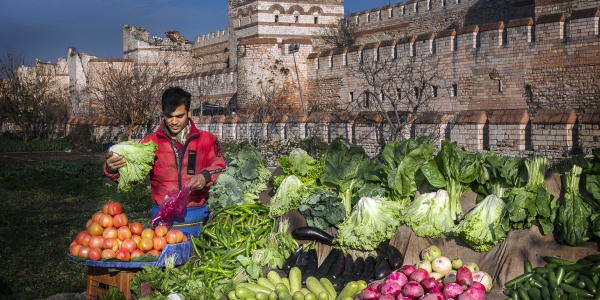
197	182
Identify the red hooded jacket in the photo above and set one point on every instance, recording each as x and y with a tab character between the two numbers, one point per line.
201	152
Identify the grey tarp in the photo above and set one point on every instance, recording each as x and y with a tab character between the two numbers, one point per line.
503	262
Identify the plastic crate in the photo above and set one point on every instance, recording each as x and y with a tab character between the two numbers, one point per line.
100	280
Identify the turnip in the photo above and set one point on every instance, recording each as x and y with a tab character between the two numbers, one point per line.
476	294
457	263
402	297
386	297
424	264
433	296
437	289
390	288
472	266
373	286
428	283
430	253
484	278
413	290
407	270
452	290
478	285
418	275
441	265
464	277
436	275
398	277
463	296
367	294
450	277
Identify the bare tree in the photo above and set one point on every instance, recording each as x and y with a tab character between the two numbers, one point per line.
130	94
28	95
341	35
400	88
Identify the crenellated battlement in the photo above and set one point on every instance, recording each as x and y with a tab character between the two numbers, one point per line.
219	36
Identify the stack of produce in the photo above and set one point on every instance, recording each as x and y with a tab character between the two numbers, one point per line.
557	279
109	235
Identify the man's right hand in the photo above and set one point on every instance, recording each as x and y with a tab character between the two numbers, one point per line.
114	163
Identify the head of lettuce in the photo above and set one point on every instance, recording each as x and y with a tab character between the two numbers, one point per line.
139	159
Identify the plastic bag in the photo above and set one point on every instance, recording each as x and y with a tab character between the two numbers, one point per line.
173	205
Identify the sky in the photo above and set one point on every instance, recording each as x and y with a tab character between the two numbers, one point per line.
45	29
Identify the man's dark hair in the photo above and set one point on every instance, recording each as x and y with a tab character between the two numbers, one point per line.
174	97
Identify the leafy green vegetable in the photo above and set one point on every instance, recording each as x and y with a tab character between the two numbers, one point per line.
403	161
499	174
344	169
454	170
245	178
323	209
429	214
574	214
372	221
481	227
290	194
113	294
140	159
592	175
299	163
532	204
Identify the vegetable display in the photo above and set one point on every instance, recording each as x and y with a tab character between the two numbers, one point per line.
139	158
243	180
323	209
557	279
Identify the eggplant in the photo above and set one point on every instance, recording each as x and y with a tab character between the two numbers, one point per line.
313	265
291	261
327	263
368	274
302	262
383	269
313	234
395	258
340	282
338	268
359	266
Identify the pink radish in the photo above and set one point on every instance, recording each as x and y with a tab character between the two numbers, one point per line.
464	277
413	290
452	290
367	294
428	283
407	270
418	275
390	287
398	277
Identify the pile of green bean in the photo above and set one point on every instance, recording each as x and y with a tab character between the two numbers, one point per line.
235	230
558	279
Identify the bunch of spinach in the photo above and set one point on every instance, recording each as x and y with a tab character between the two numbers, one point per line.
532	204
344	170
592	175
574	217
401	170
499	175
453	170
323	209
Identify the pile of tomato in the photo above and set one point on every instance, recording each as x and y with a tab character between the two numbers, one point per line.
109	234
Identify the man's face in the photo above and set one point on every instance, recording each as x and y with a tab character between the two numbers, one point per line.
177	120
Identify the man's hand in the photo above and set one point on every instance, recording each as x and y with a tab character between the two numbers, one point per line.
197	182
114	163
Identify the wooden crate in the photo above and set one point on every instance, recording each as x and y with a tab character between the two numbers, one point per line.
100	280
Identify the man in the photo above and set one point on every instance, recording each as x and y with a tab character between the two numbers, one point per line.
185	156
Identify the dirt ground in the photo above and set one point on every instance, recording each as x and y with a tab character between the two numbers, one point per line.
51	156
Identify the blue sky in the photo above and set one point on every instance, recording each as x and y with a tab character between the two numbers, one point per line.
44	29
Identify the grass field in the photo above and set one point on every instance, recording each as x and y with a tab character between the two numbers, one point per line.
44	206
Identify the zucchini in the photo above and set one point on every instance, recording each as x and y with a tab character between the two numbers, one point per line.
560	274
284	296
527	266
571	290
589	283
519	279
522	293
534	293
328	287
313	234
545	293
266	283
243	293
298	296
349	290
314	286
274	277
295	280
255	288
593	258
556	260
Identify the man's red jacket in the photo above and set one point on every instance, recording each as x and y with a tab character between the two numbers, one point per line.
173	171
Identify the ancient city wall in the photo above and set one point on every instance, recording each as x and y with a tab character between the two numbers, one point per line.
520	64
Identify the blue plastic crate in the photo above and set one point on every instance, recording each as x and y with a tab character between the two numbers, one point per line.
182	252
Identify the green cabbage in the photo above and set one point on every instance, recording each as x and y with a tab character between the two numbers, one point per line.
429	215
481	227
140	159
372	221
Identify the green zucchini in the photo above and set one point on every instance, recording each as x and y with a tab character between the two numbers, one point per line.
519	279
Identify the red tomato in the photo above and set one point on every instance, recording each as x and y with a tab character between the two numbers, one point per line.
147	233
145	244
83	251
80	236
105	220
123	254
95	229
136	253
74	249
95	253
161	230
123	233
110	243
96	242
154	252
108	253
136	228
158	242
120	220
174	236
97	216
109	232
115	209
129	245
